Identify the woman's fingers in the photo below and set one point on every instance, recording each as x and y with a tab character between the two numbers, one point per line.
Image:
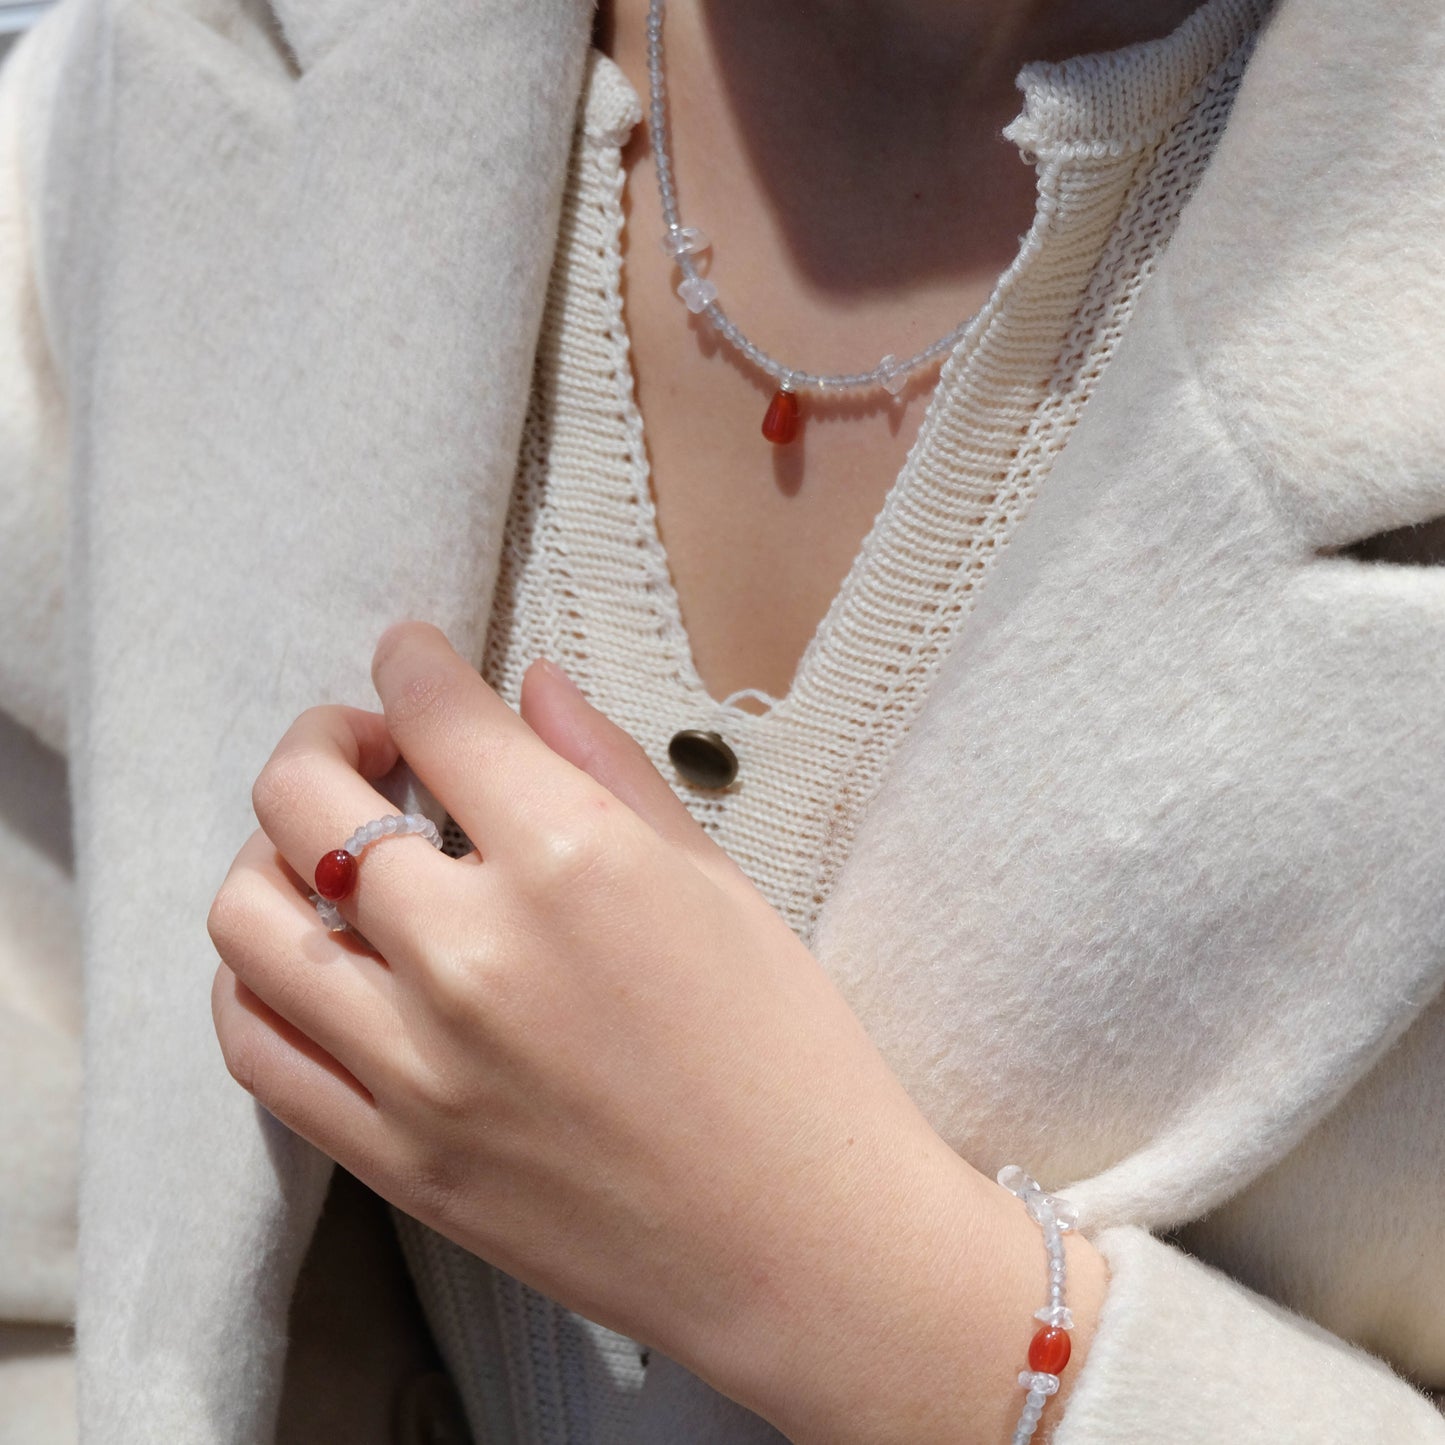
558	712
506	788
312	795
329	986
305	1088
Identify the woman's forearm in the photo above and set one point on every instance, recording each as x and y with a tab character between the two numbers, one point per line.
913	1329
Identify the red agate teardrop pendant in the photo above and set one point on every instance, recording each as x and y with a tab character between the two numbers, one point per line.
780	425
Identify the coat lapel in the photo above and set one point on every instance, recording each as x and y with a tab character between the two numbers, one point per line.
302	293
1157	875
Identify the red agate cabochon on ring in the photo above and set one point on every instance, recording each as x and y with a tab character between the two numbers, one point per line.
336	875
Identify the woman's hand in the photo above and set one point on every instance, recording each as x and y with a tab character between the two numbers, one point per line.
590	1052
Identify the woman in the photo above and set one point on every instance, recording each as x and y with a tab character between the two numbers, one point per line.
1131	876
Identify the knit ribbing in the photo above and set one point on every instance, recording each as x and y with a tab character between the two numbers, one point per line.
1119	141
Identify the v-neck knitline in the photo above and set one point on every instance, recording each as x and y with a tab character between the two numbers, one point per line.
1076	114
853	591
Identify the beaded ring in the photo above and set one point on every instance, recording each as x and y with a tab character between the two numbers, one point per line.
336	872
1049	1350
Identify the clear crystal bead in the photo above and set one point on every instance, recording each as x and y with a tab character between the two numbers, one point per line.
1061	1317
698	292
329	913
1039	1380
895	378
685	241
390	826
1037	1204
1015	1180
1055	1214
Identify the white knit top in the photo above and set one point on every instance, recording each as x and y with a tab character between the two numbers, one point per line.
1119	141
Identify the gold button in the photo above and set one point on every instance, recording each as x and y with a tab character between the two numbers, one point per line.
703	758
429	1412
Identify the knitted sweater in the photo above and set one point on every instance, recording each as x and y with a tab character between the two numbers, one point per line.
1119	141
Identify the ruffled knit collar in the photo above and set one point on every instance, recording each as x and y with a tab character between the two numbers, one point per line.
1114	102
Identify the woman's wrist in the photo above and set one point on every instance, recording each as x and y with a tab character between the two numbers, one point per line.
916	1323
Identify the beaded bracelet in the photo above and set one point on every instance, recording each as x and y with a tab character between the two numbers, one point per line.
1049	1349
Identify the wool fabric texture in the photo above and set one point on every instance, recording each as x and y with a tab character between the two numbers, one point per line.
1147	896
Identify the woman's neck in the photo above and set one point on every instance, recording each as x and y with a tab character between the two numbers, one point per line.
905	49
831	112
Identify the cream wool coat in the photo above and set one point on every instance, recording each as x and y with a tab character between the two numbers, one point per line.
1153	899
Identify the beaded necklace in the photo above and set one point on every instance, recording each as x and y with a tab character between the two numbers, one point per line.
685	243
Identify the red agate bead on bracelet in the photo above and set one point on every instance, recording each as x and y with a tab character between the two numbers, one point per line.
1050	1348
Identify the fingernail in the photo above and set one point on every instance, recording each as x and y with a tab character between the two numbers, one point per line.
553	670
